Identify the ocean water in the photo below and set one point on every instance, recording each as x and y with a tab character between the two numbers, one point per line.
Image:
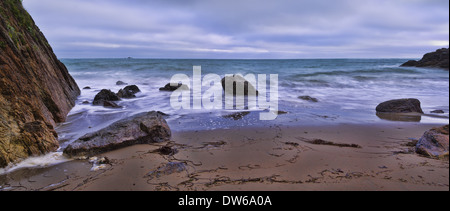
347	90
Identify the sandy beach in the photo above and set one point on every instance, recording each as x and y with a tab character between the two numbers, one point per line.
308	158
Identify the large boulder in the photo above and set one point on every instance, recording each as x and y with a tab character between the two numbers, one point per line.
128	92
239	81
400	106
144	128
434	143
36	89
439	59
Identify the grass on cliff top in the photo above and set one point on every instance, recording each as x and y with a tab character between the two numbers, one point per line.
17	21
16	7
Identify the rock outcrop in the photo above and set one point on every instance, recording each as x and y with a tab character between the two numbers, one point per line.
36	90
434	143
144	128
400	106
438	59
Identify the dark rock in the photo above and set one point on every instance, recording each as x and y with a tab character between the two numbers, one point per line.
120	83
308	98
144	128
438	59
85	102
87	87
105	95
410	63
239	81
34	87
128	92
167	150
437	112
434	143
109	104
236	116
170	88
400	106
163	114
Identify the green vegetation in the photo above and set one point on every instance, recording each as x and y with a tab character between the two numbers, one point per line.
2	45
19	12
18	22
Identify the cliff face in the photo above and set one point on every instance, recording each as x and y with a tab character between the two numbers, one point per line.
36	90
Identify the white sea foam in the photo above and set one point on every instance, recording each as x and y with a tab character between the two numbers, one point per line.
49	159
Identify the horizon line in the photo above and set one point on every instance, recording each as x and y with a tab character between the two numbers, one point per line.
141	58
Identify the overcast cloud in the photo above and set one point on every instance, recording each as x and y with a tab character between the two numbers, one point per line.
242	28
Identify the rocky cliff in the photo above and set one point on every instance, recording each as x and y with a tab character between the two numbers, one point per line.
36	90
438	59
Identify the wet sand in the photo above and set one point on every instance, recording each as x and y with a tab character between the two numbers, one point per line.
346	157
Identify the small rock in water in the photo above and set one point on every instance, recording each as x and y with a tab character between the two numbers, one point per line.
239	81
128	92
120	83
308	98
237	116
105	95
437	112
170	88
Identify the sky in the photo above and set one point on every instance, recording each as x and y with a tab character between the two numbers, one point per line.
242	29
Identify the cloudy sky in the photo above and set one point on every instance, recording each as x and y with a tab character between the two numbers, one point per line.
257	29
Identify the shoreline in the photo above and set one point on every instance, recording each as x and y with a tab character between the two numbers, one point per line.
274	158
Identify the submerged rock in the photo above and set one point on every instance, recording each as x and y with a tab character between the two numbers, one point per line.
237	116
400	106
239	81
439	59
109	104
120	83
144	128
169	88
128	92
308	98
105	95
434	143
438	112
36	90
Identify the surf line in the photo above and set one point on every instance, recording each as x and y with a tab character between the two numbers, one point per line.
238	89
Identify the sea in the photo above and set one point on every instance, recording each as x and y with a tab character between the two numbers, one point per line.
347	91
